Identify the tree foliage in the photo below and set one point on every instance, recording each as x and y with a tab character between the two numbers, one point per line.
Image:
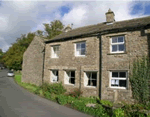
54	28
13	58
140	80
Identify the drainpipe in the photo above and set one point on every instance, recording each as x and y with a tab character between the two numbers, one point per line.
43	65
100	65
80	79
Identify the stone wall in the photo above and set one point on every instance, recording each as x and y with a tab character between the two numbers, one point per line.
32	67
68	61
136	46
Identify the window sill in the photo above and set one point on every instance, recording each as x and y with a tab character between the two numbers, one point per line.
117	53
119	88
70	84
94	87
80	55
54	57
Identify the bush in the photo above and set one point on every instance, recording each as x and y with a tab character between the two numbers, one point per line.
118	113
56	88
62	99
134	110
139	79
106	103
76	93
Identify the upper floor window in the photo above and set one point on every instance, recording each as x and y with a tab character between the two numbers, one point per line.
80	49
118	79
55	51
117	44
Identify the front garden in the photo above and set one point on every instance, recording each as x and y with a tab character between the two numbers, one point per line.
89	105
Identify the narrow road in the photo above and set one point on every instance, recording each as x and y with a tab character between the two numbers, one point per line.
18	102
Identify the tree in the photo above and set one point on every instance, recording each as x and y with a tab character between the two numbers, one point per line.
54	28
13	58
39	32
1	52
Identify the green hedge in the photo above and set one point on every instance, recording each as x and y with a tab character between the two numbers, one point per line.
139	78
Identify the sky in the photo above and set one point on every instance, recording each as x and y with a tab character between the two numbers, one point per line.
23	16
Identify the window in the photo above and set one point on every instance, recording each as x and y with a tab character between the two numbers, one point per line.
80	49
54	75
118	79
90	79
55	51
70	77
117	44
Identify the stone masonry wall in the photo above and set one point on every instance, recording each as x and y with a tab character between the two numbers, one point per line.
68	61
33	62
136	45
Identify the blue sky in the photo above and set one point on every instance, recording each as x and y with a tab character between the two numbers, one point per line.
22	17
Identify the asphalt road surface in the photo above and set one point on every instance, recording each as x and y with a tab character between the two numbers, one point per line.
18	102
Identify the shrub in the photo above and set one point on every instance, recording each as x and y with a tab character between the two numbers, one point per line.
118	113
106	103
47	94
140	78
76	93
56	88
62	99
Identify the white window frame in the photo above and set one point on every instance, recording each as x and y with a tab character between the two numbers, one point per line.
86	79
53	74
68	77
118	78
75	45
55	54
118	43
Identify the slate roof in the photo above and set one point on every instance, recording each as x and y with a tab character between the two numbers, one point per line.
103	27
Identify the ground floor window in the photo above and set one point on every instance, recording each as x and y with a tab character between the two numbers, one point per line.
54	75
70	77
118	79
90	79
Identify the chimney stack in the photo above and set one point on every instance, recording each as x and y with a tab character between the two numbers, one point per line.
67	28
110	16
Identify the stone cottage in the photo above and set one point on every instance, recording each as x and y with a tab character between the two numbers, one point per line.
95	58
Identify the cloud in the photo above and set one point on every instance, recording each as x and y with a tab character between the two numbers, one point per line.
21	17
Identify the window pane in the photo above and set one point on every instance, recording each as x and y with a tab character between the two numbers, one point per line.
114	82
94	75
114	40
89	82
83	45
122	74
83	52
88	74
93	83
72	80
73	74
120	39
55	49
114	74
121	47
122	83
78	46
114	48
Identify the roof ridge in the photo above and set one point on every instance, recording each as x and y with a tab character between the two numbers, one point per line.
142	17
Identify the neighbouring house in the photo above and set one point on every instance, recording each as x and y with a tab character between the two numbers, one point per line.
96	59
